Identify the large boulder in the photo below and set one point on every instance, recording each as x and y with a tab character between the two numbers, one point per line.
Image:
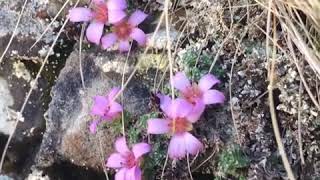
67	137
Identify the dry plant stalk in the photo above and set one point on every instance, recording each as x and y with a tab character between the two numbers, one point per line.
310	7
300	21
299	31
274	120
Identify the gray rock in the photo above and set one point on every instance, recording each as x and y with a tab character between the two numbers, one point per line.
67	136
17	72
30	28
15	82
55	6
160	38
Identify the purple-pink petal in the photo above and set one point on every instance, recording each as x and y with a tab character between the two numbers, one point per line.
117	4
97	2
115	160
213	97
113	92
158	126
180	108
140	149
192	144
93	126
177	147
129	174
108	40
100	103
138	35
121	174
116	16
181	82
121	145
196	111
181	144
94	32
207	81
115	109
137	17
165	102
124	46
134	173
80	14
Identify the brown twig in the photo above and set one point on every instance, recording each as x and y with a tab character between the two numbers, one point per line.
273	112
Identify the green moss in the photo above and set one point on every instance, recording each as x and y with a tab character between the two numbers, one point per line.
195	70
158	153
135	131
233	162
116	124
155	159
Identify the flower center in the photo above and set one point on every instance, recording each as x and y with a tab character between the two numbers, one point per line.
101	12
180	125
106	110
123	30
192	94
130	160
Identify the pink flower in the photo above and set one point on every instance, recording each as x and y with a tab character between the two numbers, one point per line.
100	14
106	108
126	30
198	94
178	124
127	161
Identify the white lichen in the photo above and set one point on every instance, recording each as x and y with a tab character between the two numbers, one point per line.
20	71
6	100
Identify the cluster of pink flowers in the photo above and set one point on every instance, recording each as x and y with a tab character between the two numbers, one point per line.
126	161
182	112
106	13
179	116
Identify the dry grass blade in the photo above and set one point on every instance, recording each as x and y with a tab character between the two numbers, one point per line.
296	61
122	84
297	19
268	32
273	111
80	51
203	162
14	31
102	159
139	62
309	7
299	125
290	25
230	87
293	56
166	13
165	164
189	169
80	55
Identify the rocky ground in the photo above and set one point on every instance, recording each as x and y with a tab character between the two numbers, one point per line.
53	141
